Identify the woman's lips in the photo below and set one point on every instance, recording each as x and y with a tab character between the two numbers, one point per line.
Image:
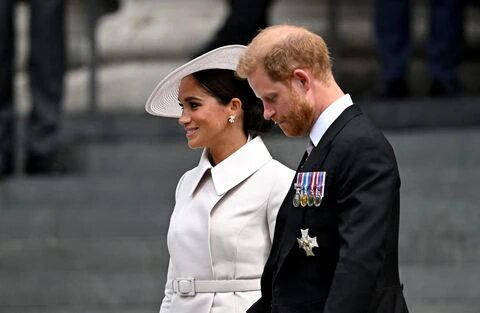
189	132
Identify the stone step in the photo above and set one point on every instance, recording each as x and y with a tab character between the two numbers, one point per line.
166	162
154	37
423	307
435	168
76	191
441	289
80	288
96	242
99	254
124	308
126	86
445	306
148	25
112	128
145	219
426	288
126	192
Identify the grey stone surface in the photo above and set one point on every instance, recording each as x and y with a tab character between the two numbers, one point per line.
423	113
144	40
143	219
81	288
441	283
79	190
445	307
95	241
149	25
439	196
140	308
102	254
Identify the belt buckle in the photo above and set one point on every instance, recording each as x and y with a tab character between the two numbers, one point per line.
185	286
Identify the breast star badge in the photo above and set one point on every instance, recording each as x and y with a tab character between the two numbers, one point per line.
307	243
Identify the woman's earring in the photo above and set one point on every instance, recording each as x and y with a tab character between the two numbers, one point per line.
231	119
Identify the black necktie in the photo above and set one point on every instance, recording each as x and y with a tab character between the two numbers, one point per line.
310	146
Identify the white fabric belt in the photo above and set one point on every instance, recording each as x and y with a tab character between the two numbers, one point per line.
189	286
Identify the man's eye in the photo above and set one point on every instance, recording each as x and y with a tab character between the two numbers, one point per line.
271	98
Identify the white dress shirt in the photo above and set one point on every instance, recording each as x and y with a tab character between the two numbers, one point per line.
328	117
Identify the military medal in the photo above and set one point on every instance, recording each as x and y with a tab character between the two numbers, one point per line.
320	184
311	199
318	200
307	243
298	187
304	194
309	189
311	194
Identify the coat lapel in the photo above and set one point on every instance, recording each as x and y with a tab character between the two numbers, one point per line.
231	171
240	165
293	224
196	174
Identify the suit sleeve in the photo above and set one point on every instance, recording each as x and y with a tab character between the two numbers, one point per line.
259	307
367	187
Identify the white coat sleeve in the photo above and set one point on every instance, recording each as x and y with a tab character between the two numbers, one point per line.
165	307
280	185
167	299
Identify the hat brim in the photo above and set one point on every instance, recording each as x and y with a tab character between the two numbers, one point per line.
164	99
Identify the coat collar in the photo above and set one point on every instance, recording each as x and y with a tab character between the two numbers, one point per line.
234	169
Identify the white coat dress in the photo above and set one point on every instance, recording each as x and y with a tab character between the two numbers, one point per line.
222	226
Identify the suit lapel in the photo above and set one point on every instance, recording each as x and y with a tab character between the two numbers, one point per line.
280	223
320	152
292	225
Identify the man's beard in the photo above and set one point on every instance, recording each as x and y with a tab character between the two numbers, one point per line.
299	120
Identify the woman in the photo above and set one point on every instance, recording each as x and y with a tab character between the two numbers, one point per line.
222	225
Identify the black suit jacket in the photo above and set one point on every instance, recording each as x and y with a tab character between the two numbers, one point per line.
355	267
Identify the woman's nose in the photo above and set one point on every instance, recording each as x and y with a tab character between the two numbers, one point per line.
183	119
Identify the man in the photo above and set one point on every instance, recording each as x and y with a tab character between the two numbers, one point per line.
335	247
394	44
241	24
46	69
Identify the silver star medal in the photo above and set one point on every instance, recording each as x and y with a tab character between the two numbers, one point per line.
307	243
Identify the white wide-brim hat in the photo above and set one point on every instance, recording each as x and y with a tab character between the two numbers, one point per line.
164	99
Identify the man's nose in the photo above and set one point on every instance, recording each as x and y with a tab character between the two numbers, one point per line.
267	111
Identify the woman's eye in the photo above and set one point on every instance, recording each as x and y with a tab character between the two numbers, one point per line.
188	105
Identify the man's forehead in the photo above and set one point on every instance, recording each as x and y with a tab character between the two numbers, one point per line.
266	89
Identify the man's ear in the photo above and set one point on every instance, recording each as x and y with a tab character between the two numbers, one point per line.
303	79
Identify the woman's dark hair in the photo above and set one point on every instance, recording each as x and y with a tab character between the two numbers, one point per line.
224	85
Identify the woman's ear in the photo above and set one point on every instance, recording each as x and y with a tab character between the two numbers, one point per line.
302	78
235	106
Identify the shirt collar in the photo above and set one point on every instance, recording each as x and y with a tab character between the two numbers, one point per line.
327	117
234	169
